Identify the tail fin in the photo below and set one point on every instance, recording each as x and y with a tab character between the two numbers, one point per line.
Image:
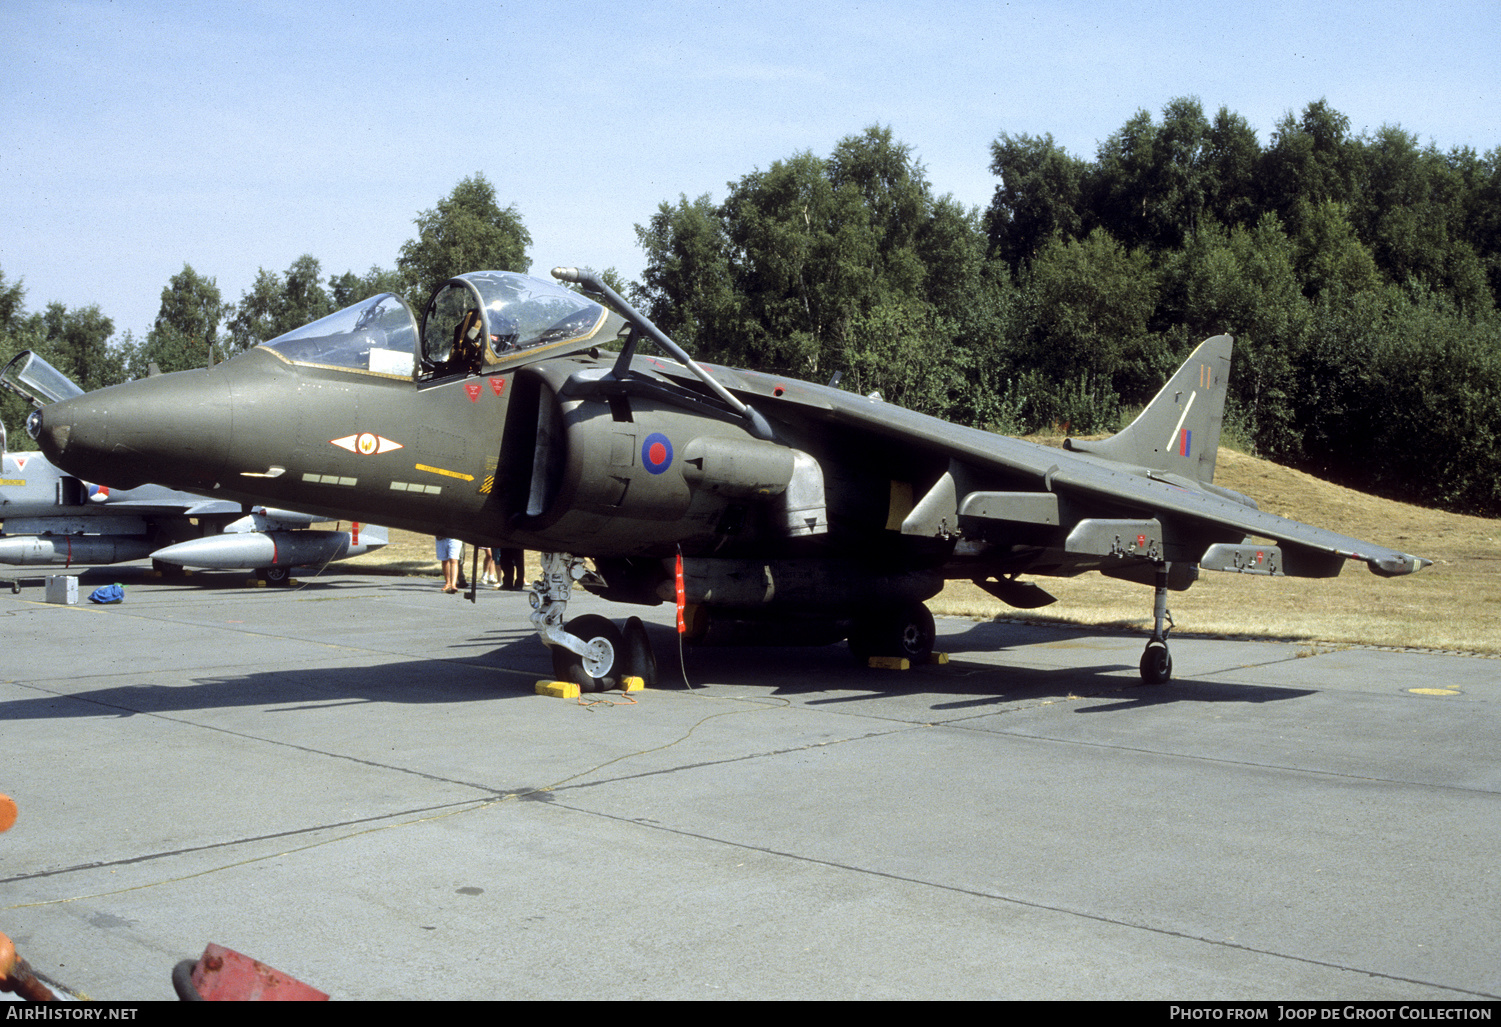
1179	431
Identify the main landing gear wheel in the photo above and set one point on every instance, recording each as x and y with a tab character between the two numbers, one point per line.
598	669
1156	664
640	660
903	631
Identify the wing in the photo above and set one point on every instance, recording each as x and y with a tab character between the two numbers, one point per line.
1141	497
1123	493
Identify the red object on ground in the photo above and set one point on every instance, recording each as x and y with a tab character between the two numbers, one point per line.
224	975
16	975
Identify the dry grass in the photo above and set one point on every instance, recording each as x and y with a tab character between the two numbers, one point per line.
1451	605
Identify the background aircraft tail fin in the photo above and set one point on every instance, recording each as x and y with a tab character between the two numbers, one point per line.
1179	431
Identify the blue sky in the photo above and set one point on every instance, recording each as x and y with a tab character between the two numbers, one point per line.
140	135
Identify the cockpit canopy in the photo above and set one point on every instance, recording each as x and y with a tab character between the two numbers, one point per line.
482	318
378	334
471	322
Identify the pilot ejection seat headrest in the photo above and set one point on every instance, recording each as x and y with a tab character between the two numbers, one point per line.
468	351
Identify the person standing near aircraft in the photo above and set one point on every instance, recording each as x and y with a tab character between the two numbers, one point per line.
512	568
450	554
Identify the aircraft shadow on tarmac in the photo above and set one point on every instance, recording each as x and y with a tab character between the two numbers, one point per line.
475	668
421	682
826	676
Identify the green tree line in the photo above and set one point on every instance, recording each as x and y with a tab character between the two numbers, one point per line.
1359	275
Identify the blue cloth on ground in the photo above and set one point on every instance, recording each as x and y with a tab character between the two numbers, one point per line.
107	594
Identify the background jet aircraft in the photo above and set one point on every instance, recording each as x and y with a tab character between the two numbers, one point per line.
769	508
54	519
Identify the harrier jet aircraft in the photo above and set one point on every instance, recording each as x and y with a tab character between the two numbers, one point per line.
769	509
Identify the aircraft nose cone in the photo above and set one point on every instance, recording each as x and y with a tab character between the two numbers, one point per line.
172	429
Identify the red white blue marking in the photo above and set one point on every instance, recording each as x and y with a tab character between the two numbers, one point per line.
1181	441
656	453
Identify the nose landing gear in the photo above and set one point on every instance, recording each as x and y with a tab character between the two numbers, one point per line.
590	651
595	669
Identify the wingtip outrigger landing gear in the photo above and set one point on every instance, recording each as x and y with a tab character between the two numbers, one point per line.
1157	662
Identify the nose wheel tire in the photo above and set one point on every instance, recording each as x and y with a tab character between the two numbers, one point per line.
598	669
1156	664
274	575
